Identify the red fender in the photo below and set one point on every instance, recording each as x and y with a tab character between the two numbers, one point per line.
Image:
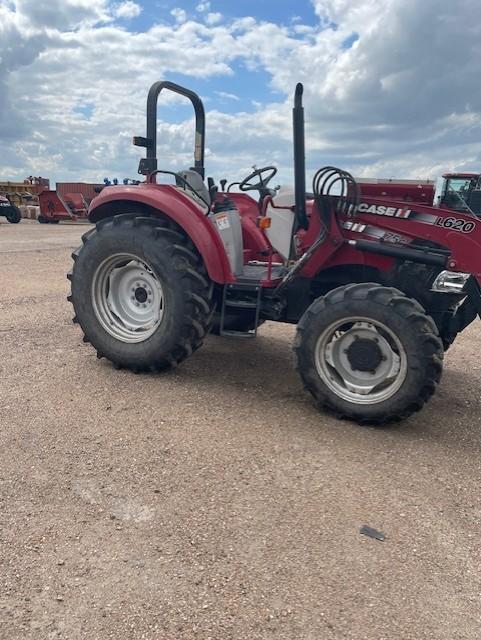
167	200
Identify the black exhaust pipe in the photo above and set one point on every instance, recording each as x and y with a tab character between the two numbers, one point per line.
299	158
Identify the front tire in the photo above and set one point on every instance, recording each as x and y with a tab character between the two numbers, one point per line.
140	293
368	353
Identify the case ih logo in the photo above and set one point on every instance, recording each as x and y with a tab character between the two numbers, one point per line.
448	222
381	210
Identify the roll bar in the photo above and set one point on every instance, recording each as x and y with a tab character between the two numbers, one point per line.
148	164
299	158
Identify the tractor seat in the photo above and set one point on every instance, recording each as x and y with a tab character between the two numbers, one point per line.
196	183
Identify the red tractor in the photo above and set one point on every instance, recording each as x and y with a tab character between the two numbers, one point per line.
375	287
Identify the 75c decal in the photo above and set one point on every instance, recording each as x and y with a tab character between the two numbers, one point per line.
456	224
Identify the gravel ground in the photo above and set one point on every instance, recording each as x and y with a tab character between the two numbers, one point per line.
216	501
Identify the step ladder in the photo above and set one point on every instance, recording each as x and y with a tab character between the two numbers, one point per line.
242	298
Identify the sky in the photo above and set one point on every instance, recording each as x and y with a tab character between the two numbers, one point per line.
392	87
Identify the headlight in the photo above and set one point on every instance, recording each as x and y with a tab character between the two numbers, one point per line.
450	282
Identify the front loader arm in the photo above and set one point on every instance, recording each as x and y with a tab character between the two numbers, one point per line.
457	235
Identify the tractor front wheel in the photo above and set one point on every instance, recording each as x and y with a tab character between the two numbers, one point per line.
140	293
369	353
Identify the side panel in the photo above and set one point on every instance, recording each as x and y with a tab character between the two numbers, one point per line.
255	242
453	230
402	223
168	201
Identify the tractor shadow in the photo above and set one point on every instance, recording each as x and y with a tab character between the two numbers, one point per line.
263	371
266	363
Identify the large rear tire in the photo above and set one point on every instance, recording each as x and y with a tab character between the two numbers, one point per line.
369	353
140	293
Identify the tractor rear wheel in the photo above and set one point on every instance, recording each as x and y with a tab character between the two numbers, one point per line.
140	293
369	353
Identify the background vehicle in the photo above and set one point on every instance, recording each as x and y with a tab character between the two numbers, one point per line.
460	192
421	191
9	210
351	271
454	191
69	201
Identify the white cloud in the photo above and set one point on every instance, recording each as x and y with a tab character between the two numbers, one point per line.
213	18
203	6
127	10
404	101
179	14
61	14
226	95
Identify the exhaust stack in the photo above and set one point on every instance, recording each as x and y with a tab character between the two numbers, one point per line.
299	158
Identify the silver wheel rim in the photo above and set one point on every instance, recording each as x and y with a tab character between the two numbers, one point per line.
333	358
127	298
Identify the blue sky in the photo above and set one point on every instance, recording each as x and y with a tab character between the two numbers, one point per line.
250	86
278	11
391	86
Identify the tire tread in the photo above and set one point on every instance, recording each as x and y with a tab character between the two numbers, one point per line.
407	308
188	263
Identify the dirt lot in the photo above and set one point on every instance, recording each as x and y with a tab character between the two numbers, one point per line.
215	501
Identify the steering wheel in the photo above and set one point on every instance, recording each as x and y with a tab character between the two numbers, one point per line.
246	185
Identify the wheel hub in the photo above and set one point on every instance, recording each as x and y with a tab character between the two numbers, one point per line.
128	298
364	355
360	360
141	294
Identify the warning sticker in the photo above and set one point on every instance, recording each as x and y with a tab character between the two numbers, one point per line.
222	222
